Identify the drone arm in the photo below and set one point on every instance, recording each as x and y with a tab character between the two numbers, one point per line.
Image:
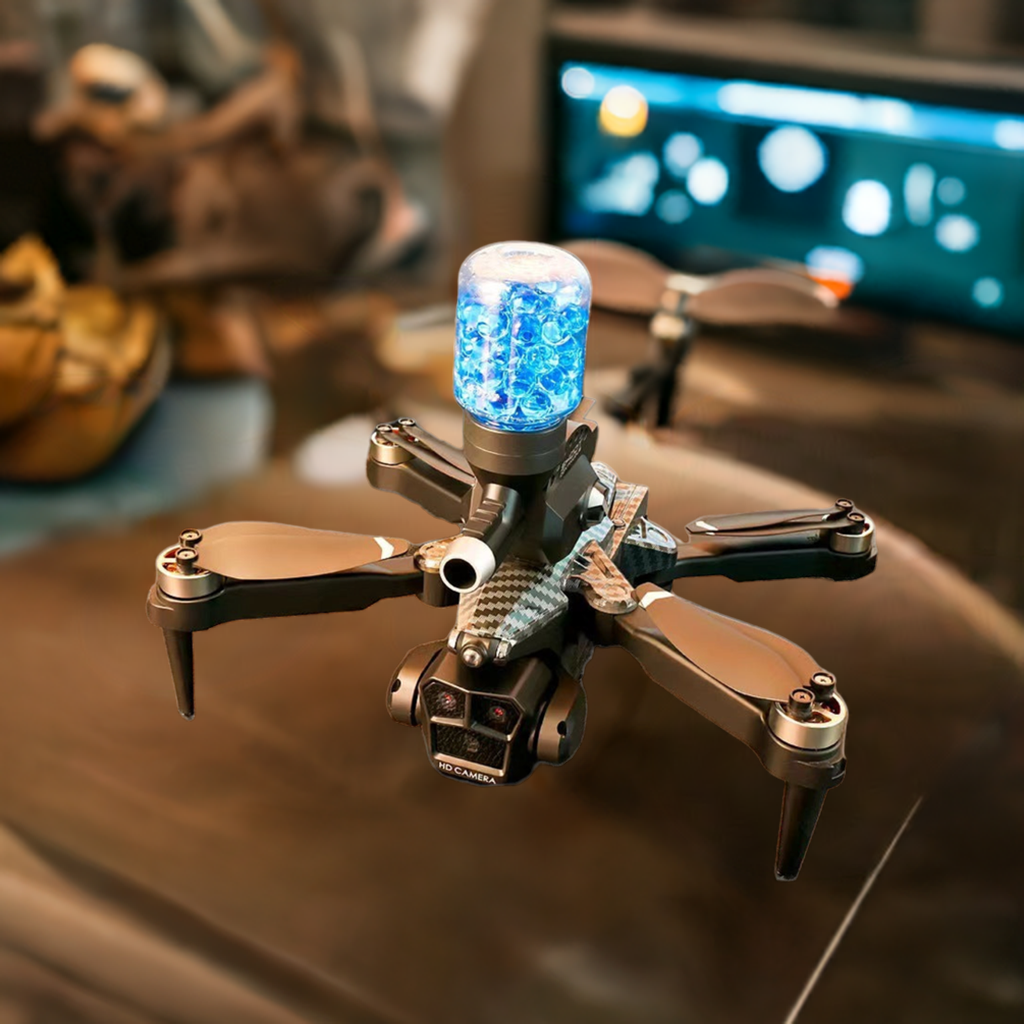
257	599
771	564
775	729
835	544
405	459
263	599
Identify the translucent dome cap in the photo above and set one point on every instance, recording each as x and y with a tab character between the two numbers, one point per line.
521	335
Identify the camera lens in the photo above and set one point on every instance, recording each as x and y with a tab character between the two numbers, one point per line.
444	701
501	716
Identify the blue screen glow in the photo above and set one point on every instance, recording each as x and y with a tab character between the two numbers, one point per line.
921	206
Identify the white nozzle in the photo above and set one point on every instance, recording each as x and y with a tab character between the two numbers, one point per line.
468	564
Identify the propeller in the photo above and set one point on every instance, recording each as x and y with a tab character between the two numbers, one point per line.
750	661
747	659
753	298
623	279
274	551
795	521
264	551
741	521
626	280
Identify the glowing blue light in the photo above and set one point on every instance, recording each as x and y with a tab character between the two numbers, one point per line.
957	233
816	106
867	207
627	186
1009	134
951	191
918	186
988	292
681	151
521	335
673	207
887	115
833	261
577	82
790	103
792	158
708	181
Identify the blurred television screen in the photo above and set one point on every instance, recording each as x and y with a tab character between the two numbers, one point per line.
918	206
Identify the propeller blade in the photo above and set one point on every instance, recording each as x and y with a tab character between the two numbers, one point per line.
453	456
624	279
745	658
790	279
275	551
760	298
755	522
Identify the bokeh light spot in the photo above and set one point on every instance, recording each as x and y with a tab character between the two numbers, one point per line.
708	181
627	187
837	268
951	191
623	111
867	207
681	151
577	82
918	186
1009	134
988	292
957	233
673	206
792	158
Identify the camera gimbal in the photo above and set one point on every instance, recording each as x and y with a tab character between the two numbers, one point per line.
555	556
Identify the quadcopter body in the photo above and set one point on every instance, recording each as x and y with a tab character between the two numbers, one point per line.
555	556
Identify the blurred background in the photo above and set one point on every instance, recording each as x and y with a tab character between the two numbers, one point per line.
229	238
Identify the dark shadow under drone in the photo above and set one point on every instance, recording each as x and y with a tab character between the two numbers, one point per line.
555	556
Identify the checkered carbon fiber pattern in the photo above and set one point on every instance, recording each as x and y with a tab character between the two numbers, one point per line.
521	598
629	505
648	548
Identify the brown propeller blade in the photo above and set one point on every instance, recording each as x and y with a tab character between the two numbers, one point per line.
757	298
743	657
275	551
626	280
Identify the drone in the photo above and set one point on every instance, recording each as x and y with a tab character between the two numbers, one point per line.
680	307
555	556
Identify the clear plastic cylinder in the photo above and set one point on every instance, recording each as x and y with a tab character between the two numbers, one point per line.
521	335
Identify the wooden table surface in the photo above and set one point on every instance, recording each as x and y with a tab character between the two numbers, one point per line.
291	856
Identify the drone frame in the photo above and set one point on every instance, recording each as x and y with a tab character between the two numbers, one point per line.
576	515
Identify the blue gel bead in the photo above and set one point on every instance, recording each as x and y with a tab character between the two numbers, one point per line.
469	313
537	404
555	381
521	384
538	359
521	334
